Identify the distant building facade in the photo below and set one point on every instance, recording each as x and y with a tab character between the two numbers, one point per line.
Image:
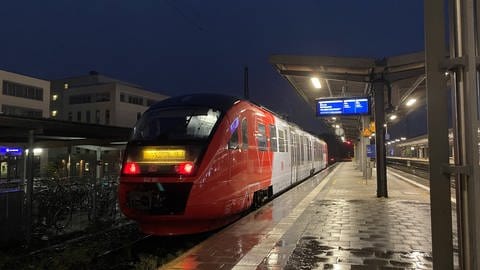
98	99
24	95
94	99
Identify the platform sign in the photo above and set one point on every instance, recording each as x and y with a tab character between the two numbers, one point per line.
371	151
343	106
11	151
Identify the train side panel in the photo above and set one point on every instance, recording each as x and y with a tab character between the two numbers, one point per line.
282	162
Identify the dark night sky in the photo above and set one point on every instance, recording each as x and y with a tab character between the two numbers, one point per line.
184	46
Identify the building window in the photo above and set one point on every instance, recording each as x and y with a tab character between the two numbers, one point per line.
107	117
97	116
87	116
54	113
135	100
80	99
21	111
89	98
102	97
54	97
22	90
139	114
70	118
79	116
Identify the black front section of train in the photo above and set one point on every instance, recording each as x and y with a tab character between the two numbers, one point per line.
159	199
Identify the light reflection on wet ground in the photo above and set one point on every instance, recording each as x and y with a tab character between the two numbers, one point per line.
344	227
313	254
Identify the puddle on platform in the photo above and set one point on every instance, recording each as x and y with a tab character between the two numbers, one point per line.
311	254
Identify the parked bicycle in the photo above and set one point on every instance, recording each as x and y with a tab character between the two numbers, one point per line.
103	201
52	209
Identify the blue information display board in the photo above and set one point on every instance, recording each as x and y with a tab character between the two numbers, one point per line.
371	151
343	106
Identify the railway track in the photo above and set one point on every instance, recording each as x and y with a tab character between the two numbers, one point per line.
121	247
419	168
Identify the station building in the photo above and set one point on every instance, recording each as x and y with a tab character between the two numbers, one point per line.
89	102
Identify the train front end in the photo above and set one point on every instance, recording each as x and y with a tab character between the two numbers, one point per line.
162	166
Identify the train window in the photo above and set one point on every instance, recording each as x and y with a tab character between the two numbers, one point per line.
176	124
286	141
309	149
281	140
234	141
261	137
244	134
298	148
302	149
273	139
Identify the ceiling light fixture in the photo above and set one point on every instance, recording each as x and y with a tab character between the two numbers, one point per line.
316	82
410	102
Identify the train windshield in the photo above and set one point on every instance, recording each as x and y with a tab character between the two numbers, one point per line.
164	126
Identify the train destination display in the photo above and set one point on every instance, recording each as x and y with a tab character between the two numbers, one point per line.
343	106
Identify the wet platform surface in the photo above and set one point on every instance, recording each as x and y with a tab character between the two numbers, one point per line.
331	221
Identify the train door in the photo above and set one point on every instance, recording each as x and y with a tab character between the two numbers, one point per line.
238	146
262	158
293	156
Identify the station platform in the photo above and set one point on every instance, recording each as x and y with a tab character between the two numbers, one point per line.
331	221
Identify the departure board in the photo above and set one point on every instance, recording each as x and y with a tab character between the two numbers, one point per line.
343	106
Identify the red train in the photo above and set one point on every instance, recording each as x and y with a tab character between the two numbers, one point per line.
196	162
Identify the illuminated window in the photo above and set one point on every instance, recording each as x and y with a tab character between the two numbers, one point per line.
54	97
65	86
54	113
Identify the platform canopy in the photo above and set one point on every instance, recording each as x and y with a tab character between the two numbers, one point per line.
14	130
353	77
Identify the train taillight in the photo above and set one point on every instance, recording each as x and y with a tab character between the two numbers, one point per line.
131	168
185	168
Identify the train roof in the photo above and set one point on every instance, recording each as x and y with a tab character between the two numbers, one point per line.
218	101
